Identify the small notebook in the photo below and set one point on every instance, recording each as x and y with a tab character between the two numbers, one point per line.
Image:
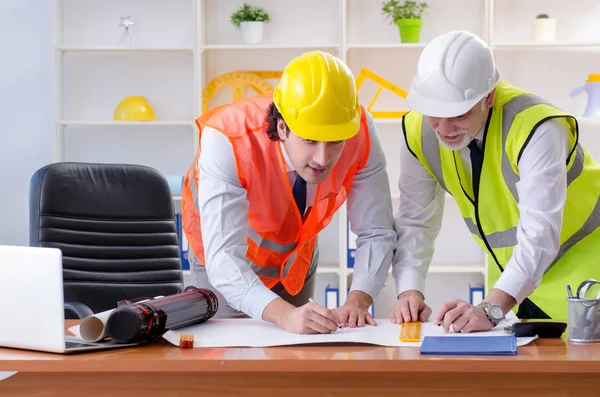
502	345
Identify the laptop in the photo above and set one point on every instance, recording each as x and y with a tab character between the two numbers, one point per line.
32	315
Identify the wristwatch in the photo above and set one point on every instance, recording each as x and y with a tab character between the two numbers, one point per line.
493	312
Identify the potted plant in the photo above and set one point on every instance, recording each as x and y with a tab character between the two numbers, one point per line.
543	28
250	20
407	16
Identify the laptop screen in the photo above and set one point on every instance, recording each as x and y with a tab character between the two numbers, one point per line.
31	298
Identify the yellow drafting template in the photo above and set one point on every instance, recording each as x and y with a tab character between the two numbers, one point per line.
239	80
383	83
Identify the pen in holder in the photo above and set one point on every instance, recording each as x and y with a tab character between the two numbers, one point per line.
584	319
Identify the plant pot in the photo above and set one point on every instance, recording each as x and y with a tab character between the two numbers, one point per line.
252	32
543	29
410	30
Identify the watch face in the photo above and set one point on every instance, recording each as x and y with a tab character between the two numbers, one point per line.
496	312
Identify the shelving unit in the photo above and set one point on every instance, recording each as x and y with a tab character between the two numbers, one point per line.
554	45
126	123
122	49
183	45
268	47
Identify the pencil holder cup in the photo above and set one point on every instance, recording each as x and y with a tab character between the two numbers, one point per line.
584	320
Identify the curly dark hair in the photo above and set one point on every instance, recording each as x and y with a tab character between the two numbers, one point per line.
272	118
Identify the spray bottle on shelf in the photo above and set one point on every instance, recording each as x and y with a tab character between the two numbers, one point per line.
592	87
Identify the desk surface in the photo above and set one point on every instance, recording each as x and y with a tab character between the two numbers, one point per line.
542	355
540	361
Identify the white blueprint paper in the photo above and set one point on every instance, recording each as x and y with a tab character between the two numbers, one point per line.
256	333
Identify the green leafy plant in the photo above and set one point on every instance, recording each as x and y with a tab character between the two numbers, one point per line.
249	13
542	16
393	10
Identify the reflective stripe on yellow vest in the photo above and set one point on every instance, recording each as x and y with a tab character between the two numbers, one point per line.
493	216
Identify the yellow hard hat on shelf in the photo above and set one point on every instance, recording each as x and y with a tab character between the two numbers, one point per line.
134	108
317	98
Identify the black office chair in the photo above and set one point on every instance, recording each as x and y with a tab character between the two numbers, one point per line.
115	226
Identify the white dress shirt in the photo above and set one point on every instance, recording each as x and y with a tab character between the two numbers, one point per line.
542	195
224	222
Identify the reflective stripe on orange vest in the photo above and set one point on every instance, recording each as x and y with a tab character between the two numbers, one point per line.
280	243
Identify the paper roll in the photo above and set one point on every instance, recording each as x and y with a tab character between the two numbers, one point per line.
93	328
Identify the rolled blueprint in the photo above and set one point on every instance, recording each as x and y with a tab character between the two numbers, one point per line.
93	328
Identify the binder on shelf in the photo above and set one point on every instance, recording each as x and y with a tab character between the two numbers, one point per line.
332	298
475	295
351	245
183	243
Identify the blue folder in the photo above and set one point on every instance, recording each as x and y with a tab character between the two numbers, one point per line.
502	345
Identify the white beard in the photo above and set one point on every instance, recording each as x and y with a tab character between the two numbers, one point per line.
454	146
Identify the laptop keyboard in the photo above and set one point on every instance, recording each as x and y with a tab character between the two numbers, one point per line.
71	345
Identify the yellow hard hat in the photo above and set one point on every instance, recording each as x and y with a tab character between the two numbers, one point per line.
134	108
317	98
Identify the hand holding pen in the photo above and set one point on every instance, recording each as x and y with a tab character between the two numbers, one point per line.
310	318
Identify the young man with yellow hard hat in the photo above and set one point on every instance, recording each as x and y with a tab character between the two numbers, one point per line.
526	188
269	174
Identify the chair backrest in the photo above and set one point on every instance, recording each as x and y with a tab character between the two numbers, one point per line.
115	225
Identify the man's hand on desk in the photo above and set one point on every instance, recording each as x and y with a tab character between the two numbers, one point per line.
463	317
310	318
355	312
410	306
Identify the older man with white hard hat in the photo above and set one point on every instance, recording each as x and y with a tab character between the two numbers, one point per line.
526	188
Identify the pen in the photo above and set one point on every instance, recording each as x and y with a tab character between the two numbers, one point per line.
312	301
569	291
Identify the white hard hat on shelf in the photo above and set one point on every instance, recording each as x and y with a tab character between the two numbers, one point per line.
455	71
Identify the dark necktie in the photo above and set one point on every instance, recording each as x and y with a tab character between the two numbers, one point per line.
299	192
476	163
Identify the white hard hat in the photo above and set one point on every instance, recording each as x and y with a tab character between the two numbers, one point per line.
455	71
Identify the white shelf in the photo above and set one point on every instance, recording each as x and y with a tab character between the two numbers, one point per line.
549	45
388	121
100	49
267	46
328	269
386	46
176	198
125	123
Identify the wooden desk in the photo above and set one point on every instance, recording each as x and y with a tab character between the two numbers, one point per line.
544	368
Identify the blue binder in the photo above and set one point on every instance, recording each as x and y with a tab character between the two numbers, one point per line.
502	345
476	295
332	298
183	243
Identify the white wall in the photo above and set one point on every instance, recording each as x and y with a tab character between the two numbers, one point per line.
25	108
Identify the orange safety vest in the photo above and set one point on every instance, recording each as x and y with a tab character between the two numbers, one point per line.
280	245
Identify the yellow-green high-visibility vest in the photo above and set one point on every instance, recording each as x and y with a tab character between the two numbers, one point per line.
493	215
